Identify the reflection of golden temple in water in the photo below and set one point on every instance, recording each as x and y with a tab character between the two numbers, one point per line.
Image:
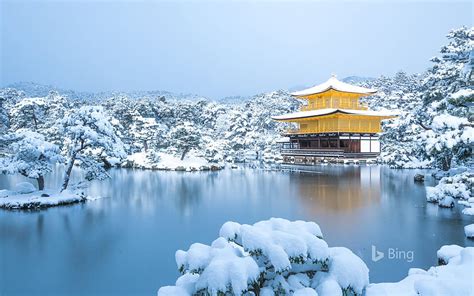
339	189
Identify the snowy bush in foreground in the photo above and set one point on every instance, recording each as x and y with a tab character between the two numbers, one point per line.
454	278
273	257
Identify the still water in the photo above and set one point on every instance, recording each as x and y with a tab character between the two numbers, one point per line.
124	243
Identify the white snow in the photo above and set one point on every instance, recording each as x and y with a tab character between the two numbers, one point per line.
170	162
468	211
448	121
454	278
469	230
334	83
289	258
349	271
449	188
465	92
327	111
447	252
51	198
24	187
446	202
222	268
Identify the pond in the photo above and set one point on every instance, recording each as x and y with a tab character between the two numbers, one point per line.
125	242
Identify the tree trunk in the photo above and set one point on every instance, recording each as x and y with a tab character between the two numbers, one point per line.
67	173
446	163
184	153
40	181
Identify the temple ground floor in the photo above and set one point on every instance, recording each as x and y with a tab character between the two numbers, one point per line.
312	148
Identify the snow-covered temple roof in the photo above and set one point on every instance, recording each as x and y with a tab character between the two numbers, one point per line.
322	112
335	84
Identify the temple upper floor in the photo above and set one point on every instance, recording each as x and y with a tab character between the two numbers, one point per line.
334	94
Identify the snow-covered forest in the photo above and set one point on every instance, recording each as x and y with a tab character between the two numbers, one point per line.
160	130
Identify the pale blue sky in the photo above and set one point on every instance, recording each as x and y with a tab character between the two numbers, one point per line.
217	49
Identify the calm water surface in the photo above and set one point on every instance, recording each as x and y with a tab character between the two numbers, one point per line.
124	243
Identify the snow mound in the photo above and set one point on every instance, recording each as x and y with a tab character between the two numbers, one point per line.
42	199
469	230
349	271
272	257
24	187
454	278
447	252
222	268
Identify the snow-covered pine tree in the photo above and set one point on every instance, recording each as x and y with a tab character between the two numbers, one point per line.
444	114
144	131
29	154
4	120
28	113
90	138
185	136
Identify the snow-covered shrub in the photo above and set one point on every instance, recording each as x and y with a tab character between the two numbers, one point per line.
24	187
29	154
272	257
459	186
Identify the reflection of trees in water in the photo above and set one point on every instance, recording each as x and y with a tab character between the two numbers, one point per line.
82	238
338	188
147	191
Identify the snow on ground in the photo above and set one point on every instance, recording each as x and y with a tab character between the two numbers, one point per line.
40	199
143	160
469	230
454	278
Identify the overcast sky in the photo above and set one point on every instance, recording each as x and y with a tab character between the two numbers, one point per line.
217	49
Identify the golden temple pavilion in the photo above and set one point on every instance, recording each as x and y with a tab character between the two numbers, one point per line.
332	123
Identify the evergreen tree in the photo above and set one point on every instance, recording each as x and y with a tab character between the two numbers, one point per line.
90	138
29	154
185	136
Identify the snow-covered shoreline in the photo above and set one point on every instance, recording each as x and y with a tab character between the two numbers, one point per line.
168	162
32	199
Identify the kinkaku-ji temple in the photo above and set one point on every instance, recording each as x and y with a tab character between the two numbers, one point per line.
332	124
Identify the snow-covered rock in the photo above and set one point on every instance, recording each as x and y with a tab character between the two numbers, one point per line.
469	230
24	187
447	252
